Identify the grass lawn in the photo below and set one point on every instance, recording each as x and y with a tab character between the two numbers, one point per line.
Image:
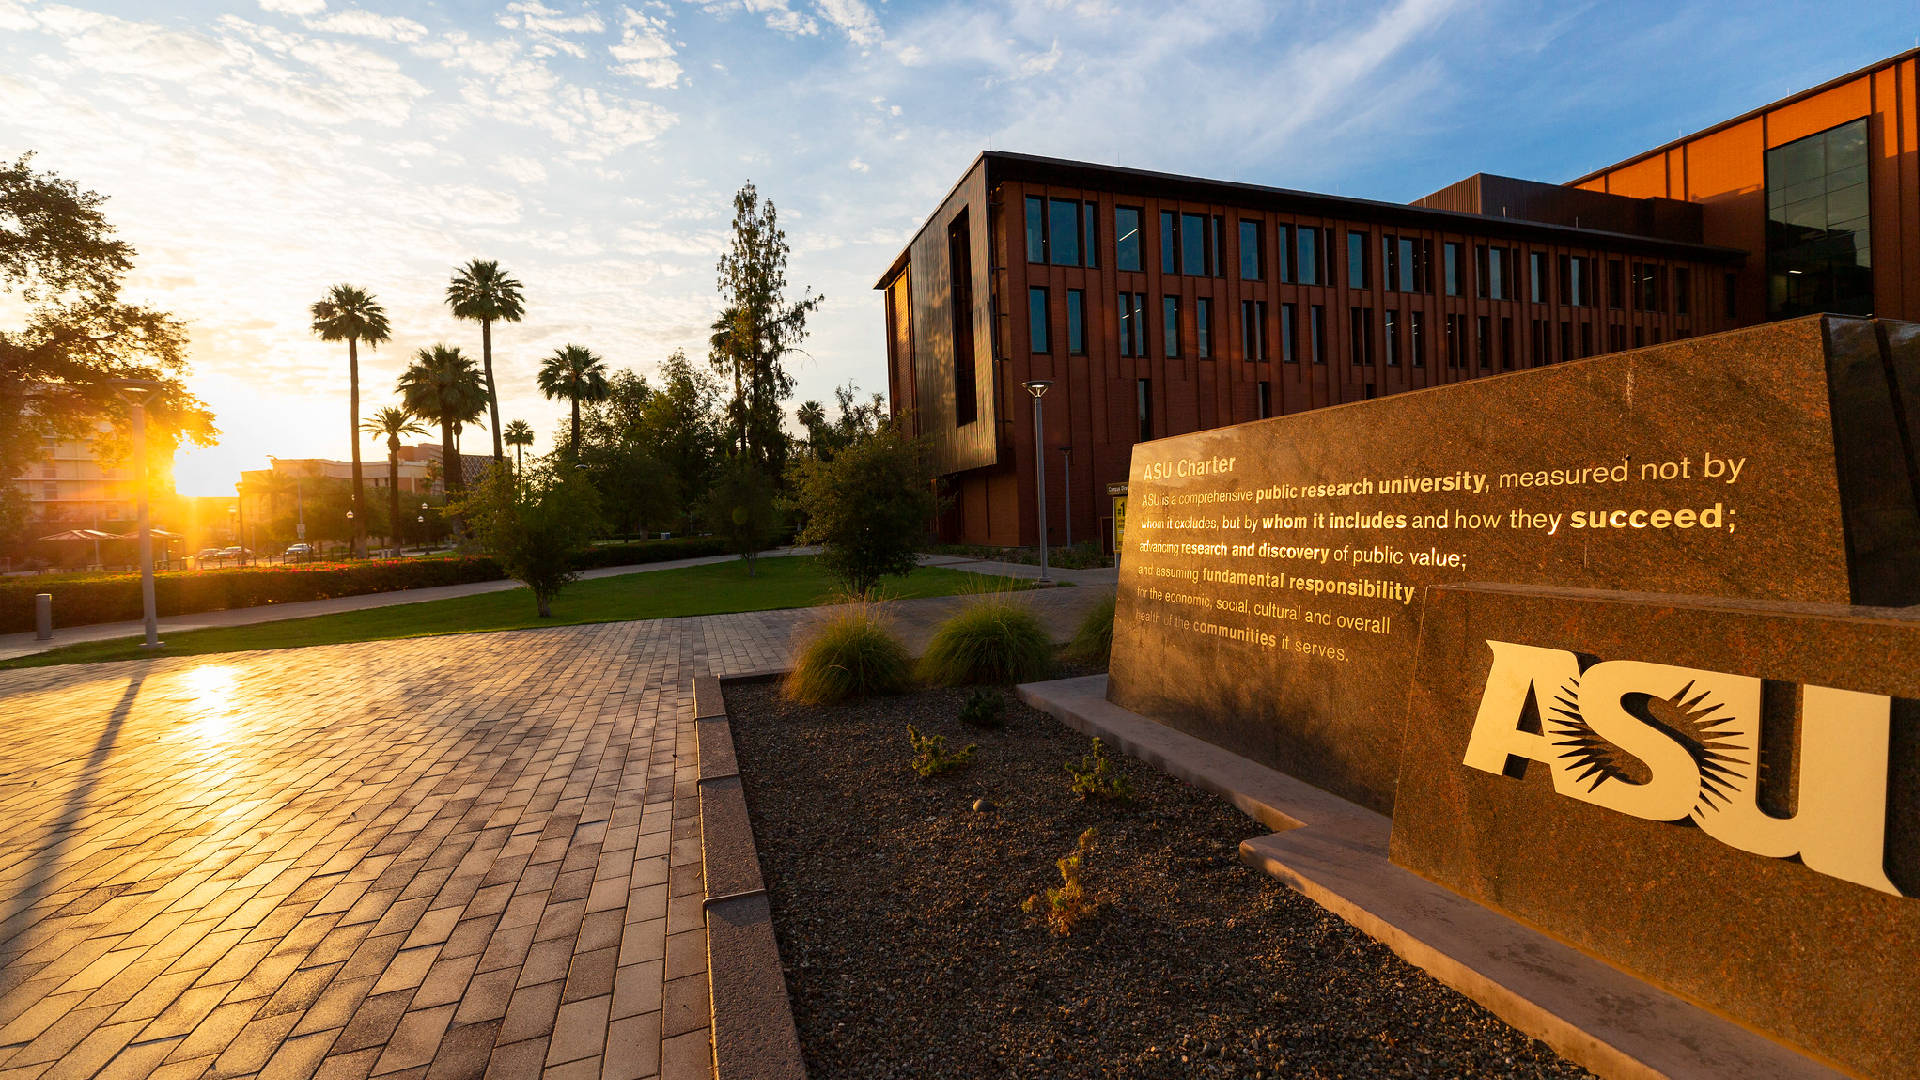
786	582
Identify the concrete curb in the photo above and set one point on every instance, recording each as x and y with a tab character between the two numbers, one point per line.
1335	853
752	1021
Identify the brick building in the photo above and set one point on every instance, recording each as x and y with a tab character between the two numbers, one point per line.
1159	304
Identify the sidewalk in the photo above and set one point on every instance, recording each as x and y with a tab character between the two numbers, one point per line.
1105	575
23	644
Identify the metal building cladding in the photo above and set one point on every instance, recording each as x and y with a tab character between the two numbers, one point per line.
1160	304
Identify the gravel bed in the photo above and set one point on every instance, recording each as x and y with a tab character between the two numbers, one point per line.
897	908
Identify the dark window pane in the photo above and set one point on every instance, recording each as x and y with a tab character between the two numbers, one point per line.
1357	260
1284	249
1309	251
1819	225
1203	328
1167	241
1287	353
1036	229
1170	325
1317	333
1143	404
1037	318
1076	321
1406	264
1063	233
1250	250
1450	255
1126	238
1193	244
1091	239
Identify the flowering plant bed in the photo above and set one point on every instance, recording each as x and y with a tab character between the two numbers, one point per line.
923	937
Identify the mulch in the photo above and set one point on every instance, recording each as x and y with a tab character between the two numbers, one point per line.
898	912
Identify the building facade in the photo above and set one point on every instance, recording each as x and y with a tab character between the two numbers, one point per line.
71	486
1158	304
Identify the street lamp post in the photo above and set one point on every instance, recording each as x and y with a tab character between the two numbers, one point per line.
135	392
1038	388
240	520
1066	494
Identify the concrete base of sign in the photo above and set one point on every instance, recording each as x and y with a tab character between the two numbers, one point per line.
1335	853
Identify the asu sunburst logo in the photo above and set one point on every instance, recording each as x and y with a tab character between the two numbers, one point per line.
1668	743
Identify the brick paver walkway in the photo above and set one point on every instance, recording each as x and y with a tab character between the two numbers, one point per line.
458	856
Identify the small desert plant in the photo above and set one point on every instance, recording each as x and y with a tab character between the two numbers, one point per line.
930	756
1063	908
1097	778
1093	642
993	639
851	654
983	709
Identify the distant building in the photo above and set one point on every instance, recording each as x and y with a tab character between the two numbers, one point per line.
70	486
1159	304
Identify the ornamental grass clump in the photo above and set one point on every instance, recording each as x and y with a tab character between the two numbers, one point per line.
1093	641
850	655
1063	908
993	639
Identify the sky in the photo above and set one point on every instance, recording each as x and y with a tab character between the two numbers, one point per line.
255	152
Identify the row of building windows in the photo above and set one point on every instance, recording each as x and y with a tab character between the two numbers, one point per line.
1063	232
1402	334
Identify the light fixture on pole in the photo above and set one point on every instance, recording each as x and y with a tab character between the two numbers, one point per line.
136	391
1066	489
1038	388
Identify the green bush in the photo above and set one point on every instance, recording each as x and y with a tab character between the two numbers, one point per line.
983	709
1063	908
1097	778
993	639
1093	641
79	600
930	755
850	655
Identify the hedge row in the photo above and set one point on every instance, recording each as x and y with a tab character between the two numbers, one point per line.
114	598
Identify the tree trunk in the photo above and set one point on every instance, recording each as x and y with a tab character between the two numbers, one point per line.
575	441
393	491
493	396
545	604
353	433
450	477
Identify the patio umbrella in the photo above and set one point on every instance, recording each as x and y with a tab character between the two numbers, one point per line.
94	535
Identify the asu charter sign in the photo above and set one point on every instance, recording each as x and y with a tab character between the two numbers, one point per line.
1629	648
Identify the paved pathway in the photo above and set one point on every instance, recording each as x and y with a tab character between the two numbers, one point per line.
13	645
442	857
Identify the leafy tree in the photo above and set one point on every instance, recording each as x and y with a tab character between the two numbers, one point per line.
757	328
519	435
442	386
740	507
534	528
575	373
637	492
392	422
868	506
66	336
483	292
680	425
352	315
857	420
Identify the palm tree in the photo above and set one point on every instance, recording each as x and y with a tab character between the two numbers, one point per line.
393	423
352	315
519	435
575	373
481	291
442	386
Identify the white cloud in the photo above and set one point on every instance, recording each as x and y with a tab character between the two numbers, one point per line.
644	51
368	24
521	168
294	7
854	17
859	166
537	16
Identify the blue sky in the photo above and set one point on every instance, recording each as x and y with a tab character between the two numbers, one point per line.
256	151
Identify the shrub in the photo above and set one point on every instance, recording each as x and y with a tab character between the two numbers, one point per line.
81	599
868	507
993	639
1093	641
930	756
850	655
1063	908
983	709
534	526
740	509
1097	778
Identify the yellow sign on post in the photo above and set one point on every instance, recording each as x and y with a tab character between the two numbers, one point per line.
1118	491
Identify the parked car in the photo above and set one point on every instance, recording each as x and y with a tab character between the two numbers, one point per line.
207	554
235	552
301	551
